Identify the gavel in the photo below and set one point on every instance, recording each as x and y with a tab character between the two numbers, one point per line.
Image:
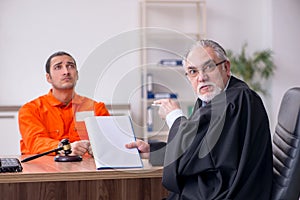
64	146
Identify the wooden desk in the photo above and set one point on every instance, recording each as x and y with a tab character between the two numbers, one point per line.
43	179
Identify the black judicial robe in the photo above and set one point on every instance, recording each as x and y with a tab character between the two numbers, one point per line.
223	151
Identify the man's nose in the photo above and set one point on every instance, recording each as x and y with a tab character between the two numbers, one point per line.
66	70
201	76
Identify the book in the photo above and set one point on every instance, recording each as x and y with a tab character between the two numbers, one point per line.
161	95
170	62
108	136
165	95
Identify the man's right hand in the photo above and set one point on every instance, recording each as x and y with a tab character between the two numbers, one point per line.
80	147
166	106
142	146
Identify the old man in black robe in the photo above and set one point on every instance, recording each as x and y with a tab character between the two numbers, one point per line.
223	151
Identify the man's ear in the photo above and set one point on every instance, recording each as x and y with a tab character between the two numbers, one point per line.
226	67
48	77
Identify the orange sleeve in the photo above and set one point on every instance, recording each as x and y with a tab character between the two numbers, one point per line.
35	138
101	110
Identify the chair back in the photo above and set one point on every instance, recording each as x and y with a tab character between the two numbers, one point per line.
286	148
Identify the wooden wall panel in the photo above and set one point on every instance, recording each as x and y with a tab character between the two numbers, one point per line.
123	189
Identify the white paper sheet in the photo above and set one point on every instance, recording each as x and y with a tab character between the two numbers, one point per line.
108	136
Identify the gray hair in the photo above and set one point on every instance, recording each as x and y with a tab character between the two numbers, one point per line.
218	49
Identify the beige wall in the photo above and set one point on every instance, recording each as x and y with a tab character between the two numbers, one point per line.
31	30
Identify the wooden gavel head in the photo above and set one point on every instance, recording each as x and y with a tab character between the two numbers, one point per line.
65	143
66	147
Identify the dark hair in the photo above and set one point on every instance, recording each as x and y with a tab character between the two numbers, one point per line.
59	53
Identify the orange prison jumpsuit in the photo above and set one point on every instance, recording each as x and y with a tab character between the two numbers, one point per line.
45	121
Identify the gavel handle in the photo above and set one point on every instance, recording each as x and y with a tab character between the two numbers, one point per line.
42	154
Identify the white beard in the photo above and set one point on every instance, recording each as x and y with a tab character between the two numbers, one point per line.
209	96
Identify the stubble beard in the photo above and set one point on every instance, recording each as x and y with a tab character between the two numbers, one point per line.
64	86
207	97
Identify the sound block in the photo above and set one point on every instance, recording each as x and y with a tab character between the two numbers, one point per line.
67	158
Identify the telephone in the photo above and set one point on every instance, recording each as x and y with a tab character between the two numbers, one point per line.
10	165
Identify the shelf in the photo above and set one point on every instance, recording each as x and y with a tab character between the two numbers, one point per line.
155	133
183	101
164	37
159	32
169	29
174	1
160	136
165	68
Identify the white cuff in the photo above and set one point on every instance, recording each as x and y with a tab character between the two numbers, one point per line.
172	116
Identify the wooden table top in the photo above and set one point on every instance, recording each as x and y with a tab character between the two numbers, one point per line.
46	169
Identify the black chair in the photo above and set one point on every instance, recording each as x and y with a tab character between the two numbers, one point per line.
286	148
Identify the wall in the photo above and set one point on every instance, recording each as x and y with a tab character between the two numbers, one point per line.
286	45
263	24
31	30
233	22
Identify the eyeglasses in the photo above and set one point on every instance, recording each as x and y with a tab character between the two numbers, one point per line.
193	72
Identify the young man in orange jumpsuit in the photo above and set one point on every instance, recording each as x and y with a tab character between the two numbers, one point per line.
48	119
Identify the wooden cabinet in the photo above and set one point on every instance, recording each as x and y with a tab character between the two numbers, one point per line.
9	131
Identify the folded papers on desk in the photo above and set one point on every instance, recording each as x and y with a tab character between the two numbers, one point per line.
108	136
